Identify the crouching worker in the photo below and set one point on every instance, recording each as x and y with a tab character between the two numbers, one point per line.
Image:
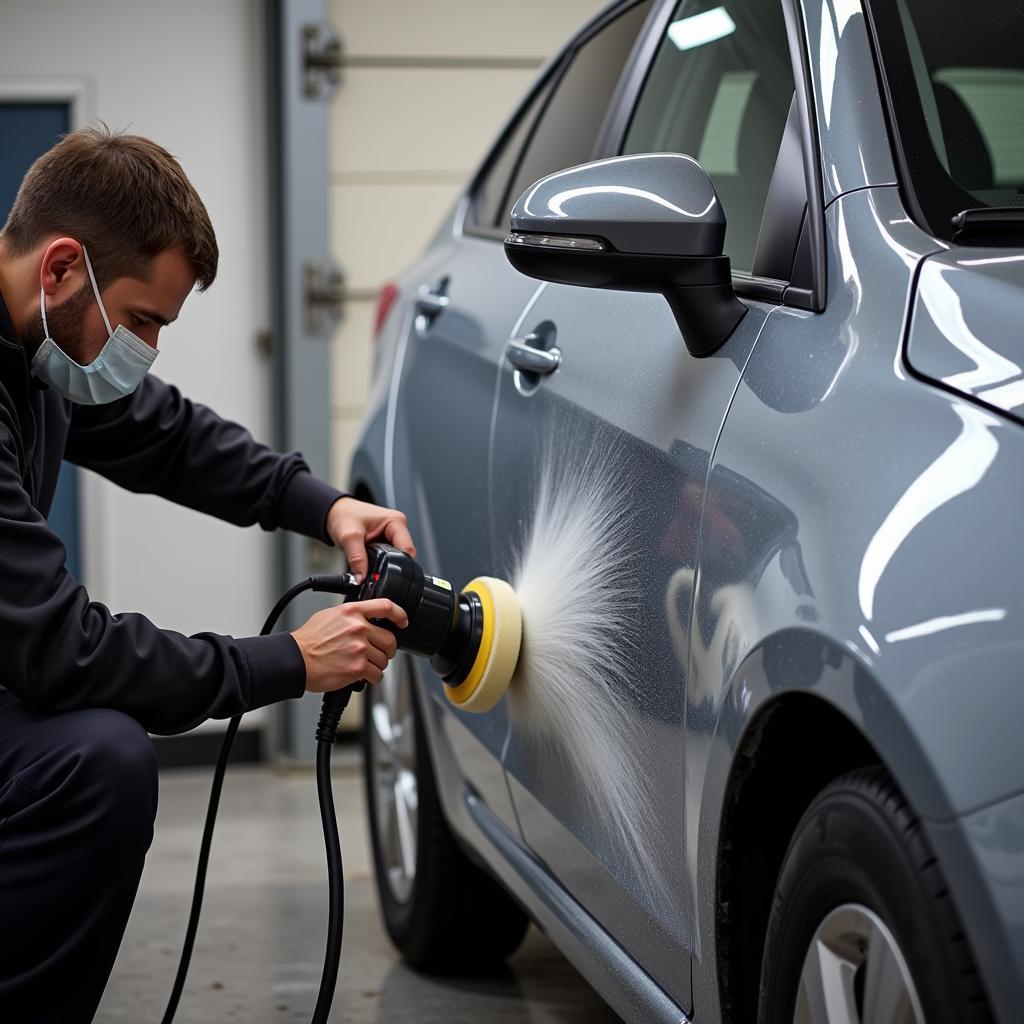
106	239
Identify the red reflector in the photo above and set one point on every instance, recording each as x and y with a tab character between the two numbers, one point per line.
376	577
385	300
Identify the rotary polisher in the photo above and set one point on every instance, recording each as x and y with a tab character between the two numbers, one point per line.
472	640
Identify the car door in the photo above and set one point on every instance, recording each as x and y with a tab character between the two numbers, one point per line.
456	333
600	454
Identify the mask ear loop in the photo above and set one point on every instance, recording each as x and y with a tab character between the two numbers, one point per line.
42	310
96	292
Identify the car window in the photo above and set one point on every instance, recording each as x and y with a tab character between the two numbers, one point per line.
955	86
568	127
994	98
720	90
487	209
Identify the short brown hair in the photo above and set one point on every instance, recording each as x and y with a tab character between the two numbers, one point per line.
124	197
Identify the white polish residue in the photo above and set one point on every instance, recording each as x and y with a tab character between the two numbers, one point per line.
575	575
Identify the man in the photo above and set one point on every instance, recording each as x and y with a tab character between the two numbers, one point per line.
106	239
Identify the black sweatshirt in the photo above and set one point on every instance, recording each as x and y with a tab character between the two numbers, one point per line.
58	649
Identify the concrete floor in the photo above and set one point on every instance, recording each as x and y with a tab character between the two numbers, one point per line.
258	955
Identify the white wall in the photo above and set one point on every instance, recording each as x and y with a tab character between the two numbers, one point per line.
188	74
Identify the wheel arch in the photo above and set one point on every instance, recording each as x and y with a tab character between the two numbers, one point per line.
768	791
800	711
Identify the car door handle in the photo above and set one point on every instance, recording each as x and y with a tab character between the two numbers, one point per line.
431	304
524	355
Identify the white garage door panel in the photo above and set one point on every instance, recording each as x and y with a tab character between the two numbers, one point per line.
343	439
421	121
376	230
484	28
352	358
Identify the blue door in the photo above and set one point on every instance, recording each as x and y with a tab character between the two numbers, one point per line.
29	130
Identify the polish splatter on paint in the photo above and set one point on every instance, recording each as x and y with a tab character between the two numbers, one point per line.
575	575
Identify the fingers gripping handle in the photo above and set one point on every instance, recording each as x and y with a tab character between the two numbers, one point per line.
335	702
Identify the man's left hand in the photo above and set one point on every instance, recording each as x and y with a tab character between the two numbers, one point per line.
353	524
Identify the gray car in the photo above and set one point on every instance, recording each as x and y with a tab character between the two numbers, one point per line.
719	360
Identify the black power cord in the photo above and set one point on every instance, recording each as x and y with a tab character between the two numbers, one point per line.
334	704
326	733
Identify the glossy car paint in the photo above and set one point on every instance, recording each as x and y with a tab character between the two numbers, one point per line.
958	333
659	203
854	146
631	383
861	564
817	519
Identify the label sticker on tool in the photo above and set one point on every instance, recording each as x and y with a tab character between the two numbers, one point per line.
444	584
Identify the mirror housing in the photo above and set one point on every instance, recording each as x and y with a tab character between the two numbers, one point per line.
646	223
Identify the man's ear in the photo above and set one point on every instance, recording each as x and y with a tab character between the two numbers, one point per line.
62	269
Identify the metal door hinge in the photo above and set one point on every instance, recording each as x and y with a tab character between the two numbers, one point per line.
264	342
321	60
325	297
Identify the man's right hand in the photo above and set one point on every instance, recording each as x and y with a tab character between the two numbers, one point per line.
340	646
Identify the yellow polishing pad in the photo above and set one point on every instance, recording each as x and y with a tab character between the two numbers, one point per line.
496	659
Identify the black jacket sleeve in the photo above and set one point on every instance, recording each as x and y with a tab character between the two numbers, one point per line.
62	651
158	442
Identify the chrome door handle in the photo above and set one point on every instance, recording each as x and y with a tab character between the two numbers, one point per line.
430	304
523	355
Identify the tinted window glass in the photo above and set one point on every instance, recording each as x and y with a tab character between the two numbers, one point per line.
487	207
955	80
568	127
720	90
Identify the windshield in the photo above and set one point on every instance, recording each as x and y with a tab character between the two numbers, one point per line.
954	80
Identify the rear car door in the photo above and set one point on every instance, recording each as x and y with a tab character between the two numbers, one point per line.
455	338
598	476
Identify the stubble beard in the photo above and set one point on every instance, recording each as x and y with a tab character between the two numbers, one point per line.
65	323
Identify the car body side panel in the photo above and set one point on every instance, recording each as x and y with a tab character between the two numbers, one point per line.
859	543
643	414
855	150
616	975
442	416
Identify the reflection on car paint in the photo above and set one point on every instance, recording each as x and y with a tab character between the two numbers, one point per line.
957	333
956	470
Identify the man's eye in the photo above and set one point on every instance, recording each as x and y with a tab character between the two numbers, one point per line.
137	321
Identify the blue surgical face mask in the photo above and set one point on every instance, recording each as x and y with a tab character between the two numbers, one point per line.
117	371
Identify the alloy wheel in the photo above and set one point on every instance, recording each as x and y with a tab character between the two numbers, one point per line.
393	752
855	973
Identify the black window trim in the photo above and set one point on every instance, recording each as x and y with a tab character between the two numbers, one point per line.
550	77
765	289
812	299
631	81
909	183
612	135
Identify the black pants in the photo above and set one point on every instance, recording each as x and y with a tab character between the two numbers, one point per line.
78	795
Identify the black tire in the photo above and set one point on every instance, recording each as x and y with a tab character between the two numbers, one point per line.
859	844
457	919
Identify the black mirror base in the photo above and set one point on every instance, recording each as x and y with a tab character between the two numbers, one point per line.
706	314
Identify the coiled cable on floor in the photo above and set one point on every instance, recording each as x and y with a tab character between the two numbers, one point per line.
334	704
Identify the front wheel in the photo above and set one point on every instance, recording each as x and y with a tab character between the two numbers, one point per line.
862	928
442	912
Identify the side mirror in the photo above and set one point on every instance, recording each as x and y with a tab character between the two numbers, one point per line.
645	223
